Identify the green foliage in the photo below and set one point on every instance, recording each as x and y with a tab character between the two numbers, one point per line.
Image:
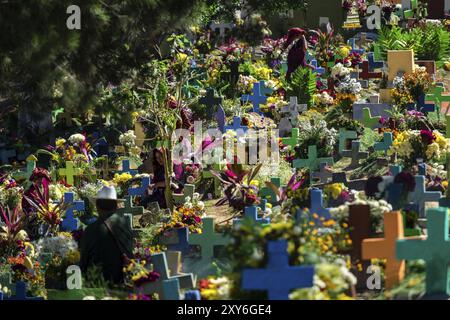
302	86
429	42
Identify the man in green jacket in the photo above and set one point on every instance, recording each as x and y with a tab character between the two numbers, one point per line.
107	241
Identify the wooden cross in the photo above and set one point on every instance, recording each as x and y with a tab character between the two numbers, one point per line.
324	174
21	292
210	100
31	165
317	204
188	191
251	214
222	27
312	162
420	196
368	121
421	105
258	96
70	223
294	109
352	42
293	140
355	154
126	168
279	278
344	136
167	286
208	240
360	228
384	248
267	193
434	249
366	74
140	191
386	144
175	270
69	172
129	208
437	95
341	177
178	240
319	70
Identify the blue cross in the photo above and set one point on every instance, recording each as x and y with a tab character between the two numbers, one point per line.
101	146
258	96
126	168
183	241
236	125
6	154
21	293
251	213
317	204
279	278
420	196
422	106
374	64
395	170
319	70
422	169
140	191
352	42
70	223
210	100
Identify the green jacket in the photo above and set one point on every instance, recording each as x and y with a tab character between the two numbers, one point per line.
98	247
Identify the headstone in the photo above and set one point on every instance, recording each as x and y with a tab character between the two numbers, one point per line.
278	279
399	61
434	249
384	248
188	191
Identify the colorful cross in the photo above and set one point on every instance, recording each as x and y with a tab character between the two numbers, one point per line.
368	121
279	278
345	135
31	165
181	242
436	95
21	292
373	64
69	172
384	248
140	191
323	175
70	223
267	193
167	287
317	204
352	42
236	125
312	162
251	214
341	177
355	154
257	97
395	169
129	208
188	191
210	100
319	70
366	74
126	168
385	144
293	140
208	240
420	196
434	249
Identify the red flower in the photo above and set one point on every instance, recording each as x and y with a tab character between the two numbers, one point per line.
427	136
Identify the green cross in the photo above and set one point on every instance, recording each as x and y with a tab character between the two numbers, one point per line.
436	96
447	134
129	208
69	172
377	52
206	174
267	193
434	249
188	191
312	162
345	135
207	240
368	121
293	140
31	165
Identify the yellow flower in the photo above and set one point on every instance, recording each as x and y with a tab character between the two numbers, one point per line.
60	142
344	51
122	178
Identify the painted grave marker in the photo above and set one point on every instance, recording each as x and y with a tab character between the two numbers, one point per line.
312	162
69	172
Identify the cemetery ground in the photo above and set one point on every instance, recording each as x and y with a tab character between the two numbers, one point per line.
226	156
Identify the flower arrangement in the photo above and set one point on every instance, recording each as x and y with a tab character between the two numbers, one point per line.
128	139
137	274
215	288
410	145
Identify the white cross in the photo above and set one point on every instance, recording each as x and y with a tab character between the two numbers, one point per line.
222	28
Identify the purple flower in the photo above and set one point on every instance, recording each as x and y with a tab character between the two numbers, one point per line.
427	136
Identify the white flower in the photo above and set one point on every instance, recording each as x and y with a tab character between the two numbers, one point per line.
76	138
201	205
128	138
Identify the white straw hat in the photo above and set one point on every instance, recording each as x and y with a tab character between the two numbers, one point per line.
107	193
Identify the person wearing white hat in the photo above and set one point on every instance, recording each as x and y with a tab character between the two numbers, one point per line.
107	241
